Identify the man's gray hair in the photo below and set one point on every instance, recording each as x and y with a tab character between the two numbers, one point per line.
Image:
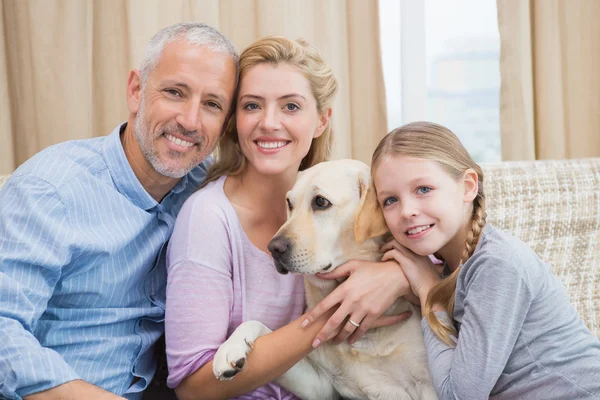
195	33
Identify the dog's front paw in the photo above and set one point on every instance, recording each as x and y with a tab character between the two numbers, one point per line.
230	358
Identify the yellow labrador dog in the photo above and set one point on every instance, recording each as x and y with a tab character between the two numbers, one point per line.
334	217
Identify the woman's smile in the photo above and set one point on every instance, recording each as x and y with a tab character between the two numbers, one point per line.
271	145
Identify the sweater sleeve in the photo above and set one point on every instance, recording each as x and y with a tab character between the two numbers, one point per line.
199	287
495	305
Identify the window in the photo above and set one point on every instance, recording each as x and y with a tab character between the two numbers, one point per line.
441	64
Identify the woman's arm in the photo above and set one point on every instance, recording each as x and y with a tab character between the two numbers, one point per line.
198	321
273	354
371	288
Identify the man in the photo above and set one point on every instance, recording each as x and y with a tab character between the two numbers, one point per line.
83	227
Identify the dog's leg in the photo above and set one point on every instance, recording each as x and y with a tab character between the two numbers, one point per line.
305	381
231	355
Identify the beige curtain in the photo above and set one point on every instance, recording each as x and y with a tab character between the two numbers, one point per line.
550	92
64	63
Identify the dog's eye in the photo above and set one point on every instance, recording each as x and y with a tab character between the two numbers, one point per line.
320	203
290	207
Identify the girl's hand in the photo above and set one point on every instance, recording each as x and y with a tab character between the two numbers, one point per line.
420	271
371	288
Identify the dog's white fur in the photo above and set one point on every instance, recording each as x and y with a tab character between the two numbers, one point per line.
387	362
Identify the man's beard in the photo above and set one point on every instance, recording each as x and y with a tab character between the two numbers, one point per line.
146	140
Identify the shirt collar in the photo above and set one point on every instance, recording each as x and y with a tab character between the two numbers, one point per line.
181	185
122	174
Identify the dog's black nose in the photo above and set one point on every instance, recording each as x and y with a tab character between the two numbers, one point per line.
278	246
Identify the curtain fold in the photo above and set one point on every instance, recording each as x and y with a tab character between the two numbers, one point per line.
550	58
7	150
64	63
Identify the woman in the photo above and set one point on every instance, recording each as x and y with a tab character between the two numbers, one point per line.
219	269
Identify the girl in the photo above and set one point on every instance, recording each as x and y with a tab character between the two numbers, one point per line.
219	270
498	324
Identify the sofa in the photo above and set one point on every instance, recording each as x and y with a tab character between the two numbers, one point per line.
554	206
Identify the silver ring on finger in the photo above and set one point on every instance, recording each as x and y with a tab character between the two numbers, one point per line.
356	324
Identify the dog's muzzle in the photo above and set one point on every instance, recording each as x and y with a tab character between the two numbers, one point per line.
280	249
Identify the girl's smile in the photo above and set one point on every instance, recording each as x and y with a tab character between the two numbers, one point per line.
419	231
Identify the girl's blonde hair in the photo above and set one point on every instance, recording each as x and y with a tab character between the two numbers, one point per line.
309	61
436	143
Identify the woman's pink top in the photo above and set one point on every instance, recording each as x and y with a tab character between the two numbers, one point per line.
216	280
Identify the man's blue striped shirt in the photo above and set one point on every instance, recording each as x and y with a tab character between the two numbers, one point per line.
82	274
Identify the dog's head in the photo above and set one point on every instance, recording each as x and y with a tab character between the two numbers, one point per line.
332	211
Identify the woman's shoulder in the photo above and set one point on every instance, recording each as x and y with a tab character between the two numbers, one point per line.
207	210
204	229
209	198
209	192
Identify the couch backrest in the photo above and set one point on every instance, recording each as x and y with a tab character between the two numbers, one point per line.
554	206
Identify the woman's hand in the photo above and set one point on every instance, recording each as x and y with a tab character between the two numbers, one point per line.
371	288
421	272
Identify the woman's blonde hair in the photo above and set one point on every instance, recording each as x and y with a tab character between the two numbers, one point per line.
436	143
309	61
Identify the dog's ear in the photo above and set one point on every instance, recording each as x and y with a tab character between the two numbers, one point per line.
369	221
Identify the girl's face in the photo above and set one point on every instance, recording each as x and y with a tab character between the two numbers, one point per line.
425	208
276	118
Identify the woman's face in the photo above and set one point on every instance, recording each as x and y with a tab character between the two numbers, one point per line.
276	118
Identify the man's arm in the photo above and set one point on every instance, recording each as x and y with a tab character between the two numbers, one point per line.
74	390
35	245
